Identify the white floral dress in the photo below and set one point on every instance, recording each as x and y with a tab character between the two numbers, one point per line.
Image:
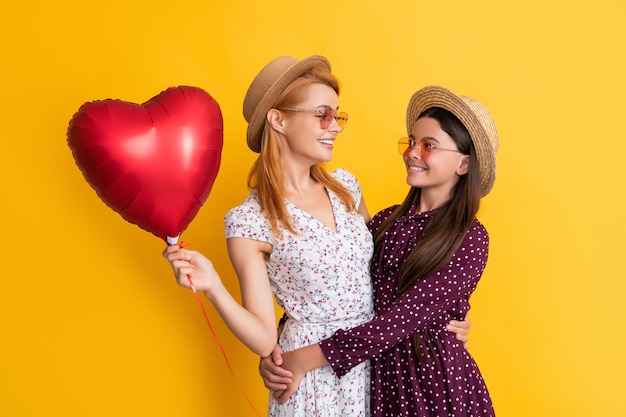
321	279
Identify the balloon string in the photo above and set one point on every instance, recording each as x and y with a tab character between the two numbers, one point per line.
219	344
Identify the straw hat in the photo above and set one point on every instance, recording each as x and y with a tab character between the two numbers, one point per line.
267	87
474	117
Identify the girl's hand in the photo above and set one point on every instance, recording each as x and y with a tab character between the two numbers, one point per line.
299	362
291	360
191	265
274	377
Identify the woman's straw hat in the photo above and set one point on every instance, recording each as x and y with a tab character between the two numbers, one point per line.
474	117
267	87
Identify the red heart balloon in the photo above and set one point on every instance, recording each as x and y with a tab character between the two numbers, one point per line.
153	163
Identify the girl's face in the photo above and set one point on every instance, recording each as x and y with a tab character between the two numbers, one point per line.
432	161
307	134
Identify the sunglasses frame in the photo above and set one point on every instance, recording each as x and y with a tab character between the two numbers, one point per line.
340	117
405	143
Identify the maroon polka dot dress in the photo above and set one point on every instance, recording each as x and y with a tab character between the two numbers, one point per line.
446	380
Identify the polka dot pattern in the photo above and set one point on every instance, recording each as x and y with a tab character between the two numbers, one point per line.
444	380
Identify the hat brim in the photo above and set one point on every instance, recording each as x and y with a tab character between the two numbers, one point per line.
269	98
474	117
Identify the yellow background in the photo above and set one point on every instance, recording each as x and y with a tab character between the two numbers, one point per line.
91	320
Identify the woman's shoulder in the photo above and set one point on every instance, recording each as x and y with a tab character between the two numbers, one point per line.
249	207
247	220
349	181
344	176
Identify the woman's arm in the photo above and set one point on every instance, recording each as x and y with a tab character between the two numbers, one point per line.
252	322
362	209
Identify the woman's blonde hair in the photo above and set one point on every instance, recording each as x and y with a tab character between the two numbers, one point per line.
266	173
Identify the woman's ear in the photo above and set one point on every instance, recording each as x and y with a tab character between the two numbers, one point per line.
464	166
275	119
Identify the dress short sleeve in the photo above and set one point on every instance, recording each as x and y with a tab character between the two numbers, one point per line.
350	182
247	220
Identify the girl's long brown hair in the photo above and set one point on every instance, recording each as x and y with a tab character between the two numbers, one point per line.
445	232
266	173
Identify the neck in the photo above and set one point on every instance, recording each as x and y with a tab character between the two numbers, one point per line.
432	199
297	178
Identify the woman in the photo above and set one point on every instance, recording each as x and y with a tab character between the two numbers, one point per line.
430	253
300	236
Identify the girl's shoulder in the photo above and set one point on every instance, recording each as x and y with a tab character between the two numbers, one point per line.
386	212
478	226
478	234
380	217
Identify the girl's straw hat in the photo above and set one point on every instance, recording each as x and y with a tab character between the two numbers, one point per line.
474	117
267	87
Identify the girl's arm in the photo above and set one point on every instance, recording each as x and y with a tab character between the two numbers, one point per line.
252	322
423	305
416	309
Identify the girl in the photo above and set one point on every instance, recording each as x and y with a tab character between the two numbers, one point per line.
430	252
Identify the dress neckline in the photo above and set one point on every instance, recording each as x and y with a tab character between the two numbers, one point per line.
332	198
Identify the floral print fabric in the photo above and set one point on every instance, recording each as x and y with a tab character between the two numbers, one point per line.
320	277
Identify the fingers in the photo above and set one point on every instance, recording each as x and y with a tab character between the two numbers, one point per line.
461	334
184	278
170	249
178	254
277	355
465	324
274	377
460	329
183	269
462	338
181	261
278	386
275	387
284	396
276	374
455	329
278	393
178	258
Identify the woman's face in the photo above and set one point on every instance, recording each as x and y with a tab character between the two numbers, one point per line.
303	132
433	163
